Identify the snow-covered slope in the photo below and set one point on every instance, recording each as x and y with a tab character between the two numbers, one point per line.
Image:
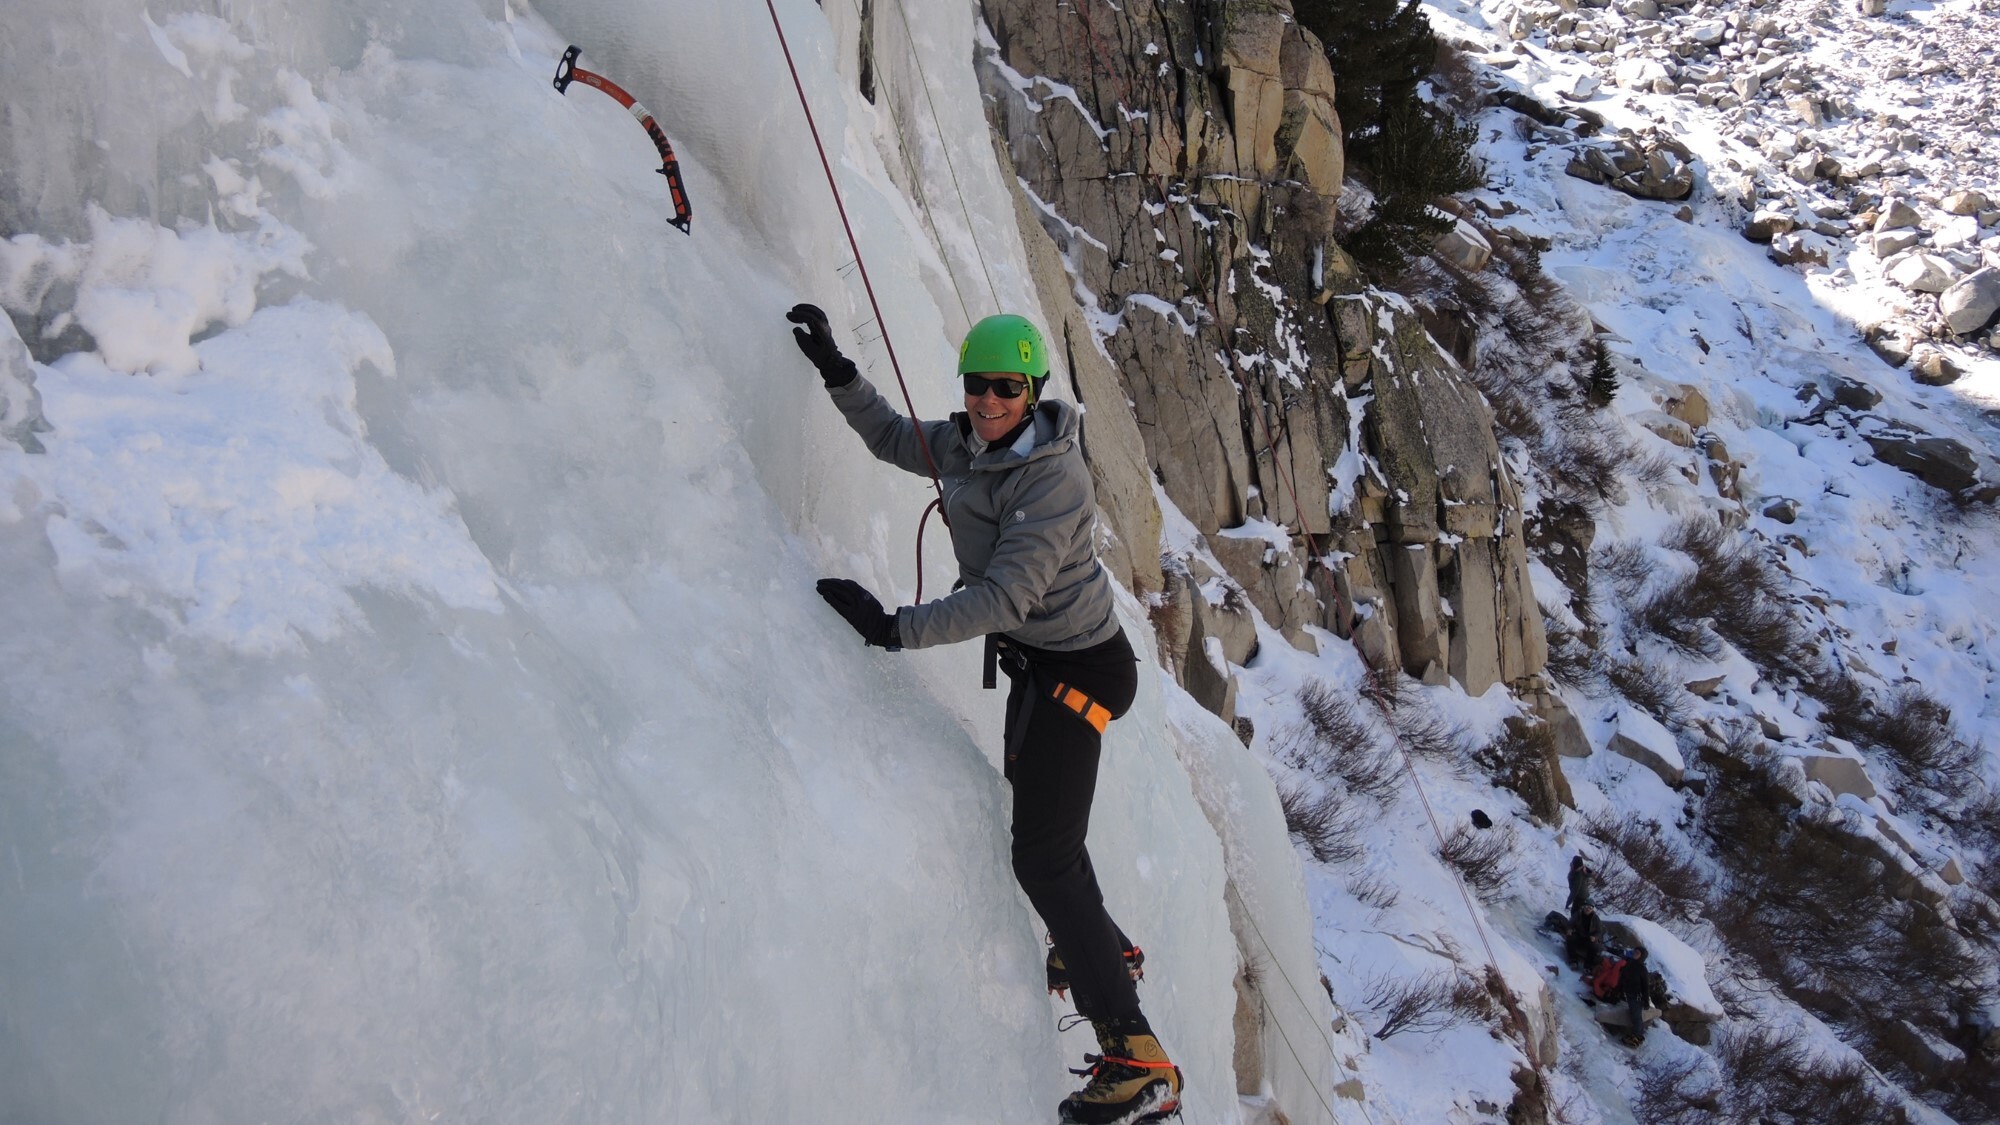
415	705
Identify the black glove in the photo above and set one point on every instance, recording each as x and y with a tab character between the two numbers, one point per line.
859	607
816	341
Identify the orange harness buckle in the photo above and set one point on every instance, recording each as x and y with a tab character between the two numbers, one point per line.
1090	710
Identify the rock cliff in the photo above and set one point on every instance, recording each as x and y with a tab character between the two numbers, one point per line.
1184	164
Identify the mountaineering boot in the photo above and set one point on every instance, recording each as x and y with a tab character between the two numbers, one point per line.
1135	964
1131	1082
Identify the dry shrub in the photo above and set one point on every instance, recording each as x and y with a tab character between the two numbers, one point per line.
1426	734
1420	730
1586	458
1916	729
1373	889
1654	686
1573	662
1677	1090
1336	742
1326	821
1484	858
1624	565
1432	1002
1819	919
1741	591
1644	873
1771	1074
1672	610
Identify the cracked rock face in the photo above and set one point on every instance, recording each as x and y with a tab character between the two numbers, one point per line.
1183	163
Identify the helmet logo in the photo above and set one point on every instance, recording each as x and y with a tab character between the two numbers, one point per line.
1027	350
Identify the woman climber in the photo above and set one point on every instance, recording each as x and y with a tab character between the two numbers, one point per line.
1022	512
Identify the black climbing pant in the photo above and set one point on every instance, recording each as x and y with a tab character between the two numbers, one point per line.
1052	754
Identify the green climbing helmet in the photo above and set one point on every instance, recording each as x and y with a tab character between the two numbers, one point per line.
1004	343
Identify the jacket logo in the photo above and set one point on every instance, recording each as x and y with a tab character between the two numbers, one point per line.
1021	516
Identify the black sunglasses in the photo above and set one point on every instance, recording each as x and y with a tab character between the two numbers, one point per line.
976	385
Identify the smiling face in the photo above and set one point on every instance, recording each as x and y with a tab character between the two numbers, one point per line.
992	416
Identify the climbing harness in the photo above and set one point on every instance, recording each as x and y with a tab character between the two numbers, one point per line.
567	71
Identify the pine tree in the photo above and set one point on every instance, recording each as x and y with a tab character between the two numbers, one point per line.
1380	50
1420	154
1407	150
1603	386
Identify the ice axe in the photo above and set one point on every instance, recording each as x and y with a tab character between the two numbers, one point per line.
567	72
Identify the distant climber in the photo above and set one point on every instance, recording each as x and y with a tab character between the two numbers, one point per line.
1579	888
1585	943
1022	514
1604	978
1634	988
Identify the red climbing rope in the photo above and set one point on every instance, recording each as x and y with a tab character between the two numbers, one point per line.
867	285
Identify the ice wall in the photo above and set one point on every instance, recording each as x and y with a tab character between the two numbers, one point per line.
413	701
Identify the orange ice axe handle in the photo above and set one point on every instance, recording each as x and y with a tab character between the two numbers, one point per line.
567	72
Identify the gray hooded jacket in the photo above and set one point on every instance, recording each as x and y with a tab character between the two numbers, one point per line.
1022	519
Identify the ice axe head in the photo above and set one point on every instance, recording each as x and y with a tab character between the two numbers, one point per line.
566	69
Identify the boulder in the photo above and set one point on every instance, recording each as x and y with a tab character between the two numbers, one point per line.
1924	273
1933	368
1259	557
1473	629
1666	426
1894	345
1706	687
1565	730
1784	510
1942	463
1950	872
1640	737
1964	203
1808	109
1805	166
1208	678
1690	1000
1582	90
1463	247
1897	215
1219	609
1838	772
1926	1053
1854	394
1971	302
1890	243
1746	86
20	402
1795	249
1420	632
1690	406
1768	223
